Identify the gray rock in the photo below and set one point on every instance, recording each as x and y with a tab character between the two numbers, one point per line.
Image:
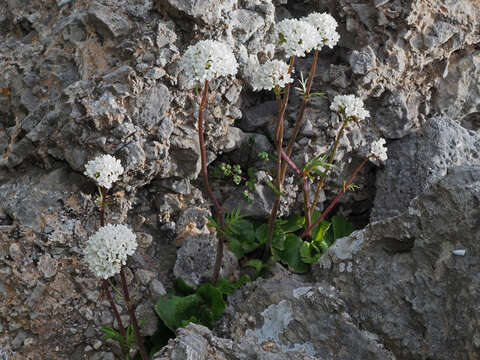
362	61
146	313
259	116
35	192
108	23
151	106
419	160
47	266
395	116
208	11
457	94
234	139
19	339
245	23
259	207
157	289
196	260
399	274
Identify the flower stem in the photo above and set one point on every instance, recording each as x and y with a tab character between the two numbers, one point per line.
321	184
332	204
121	328
133	318
291	142
305	186
279	141
216	205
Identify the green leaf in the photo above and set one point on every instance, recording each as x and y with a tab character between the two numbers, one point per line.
213	299
261	233
255	263
291	254
175	310
225	287
309	253
319	232
341	227
292	224
182	288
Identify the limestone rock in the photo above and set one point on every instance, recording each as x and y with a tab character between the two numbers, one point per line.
420	159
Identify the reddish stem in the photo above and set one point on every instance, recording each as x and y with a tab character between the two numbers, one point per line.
121	328
321	184
279	140
291	142
216	205
305	186
133	318
332	204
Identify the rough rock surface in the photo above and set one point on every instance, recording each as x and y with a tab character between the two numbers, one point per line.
420	159
394	290
81	78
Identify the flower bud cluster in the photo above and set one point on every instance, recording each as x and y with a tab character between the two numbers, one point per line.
273	74
378	149
351	106
207	60
107	250
104	170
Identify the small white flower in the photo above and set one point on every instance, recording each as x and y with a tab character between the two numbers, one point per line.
208	59
296	37
105	170
270	75
351	105
378	149
326	26
107	250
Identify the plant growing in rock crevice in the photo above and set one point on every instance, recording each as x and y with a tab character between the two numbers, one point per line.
295	38
204	62
107	250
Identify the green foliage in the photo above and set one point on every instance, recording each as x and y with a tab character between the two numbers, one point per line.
113	334
259	266
303	88
319	165
204	307
298	254
264	156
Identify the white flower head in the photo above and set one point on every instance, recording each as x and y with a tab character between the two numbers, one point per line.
296	37
207	60
107	250
105	170
326	26
270	75
351	106
379	150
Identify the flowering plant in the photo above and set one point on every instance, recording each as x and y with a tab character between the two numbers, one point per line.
208	59
271	75
350	106
296	37
104	170
107	250
326	26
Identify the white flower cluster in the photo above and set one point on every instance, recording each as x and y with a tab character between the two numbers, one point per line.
297	37
105	170
378	149
208	59
351	105
326	26
270	75
107	250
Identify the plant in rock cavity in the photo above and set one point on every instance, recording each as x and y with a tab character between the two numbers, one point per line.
107	250
203	62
